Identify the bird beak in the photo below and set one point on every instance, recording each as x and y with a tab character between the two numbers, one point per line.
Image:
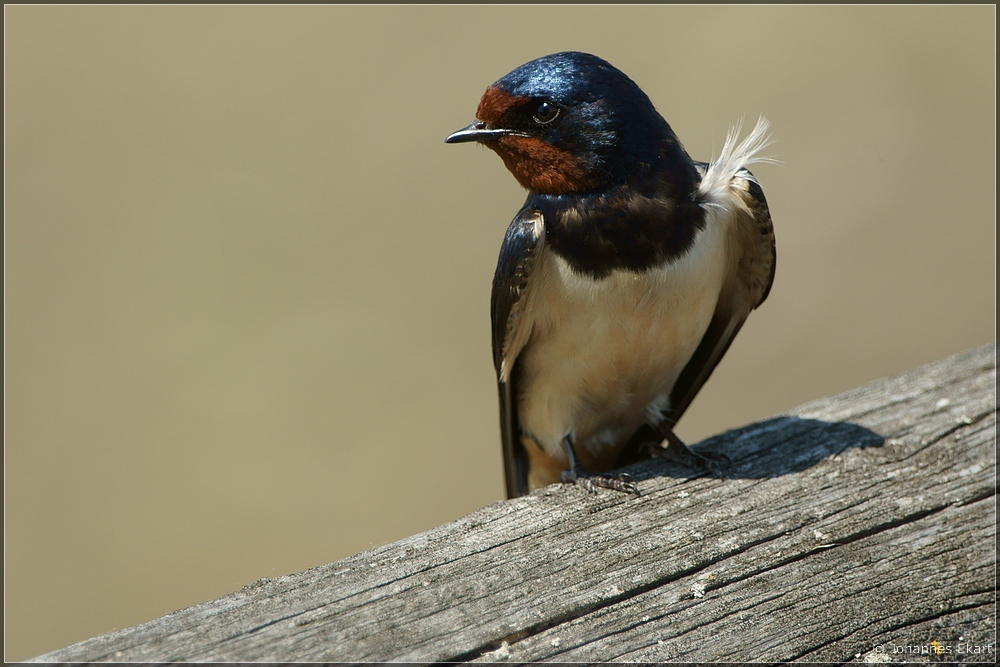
476	131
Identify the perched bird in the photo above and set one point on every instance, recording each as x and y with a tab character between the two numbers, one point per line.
624	277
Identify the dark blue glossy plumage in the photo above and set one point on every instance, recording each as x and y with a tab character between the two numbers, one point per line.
609	123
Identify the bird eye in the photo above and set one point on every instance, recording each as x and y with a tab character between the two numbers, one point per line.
546	113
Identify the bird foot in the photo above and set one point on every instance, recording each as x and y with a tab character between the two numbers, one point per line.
679	453
623	482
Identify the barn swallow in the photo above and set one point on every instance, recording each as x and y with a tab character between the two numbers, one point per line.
624	277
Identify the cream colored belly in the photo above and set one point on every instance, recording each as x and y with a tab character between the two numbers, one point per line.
604	354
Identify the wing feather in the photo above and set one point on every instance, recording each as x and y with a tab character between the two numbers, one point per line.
519	253
752	254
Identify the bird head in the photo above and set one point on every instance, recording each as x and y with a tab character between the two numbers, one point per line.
568	123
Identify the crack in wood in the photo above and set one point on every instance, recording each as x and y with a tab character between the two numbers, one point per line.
607	602
583	612
860	535
894	628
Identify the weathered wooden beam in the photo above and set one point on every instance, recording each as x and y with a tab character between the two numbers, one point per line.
845	529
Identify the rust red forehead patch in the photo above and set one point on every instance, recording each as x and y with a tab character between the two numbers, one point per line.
495	103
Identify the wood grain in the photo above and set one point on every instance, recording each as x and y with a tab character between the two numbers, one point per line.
845	530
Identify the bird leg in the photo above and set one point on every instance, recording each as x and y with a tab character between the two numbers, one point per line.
677	452
578	474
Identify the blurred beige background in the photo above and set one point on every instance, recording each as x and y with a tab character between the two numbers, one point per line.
247	283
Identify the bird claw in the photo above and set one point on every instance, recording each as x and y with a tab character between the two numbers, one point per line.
710	462
623	482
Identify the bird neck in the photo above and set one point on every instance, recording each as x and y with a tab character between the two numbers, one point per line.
649	218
